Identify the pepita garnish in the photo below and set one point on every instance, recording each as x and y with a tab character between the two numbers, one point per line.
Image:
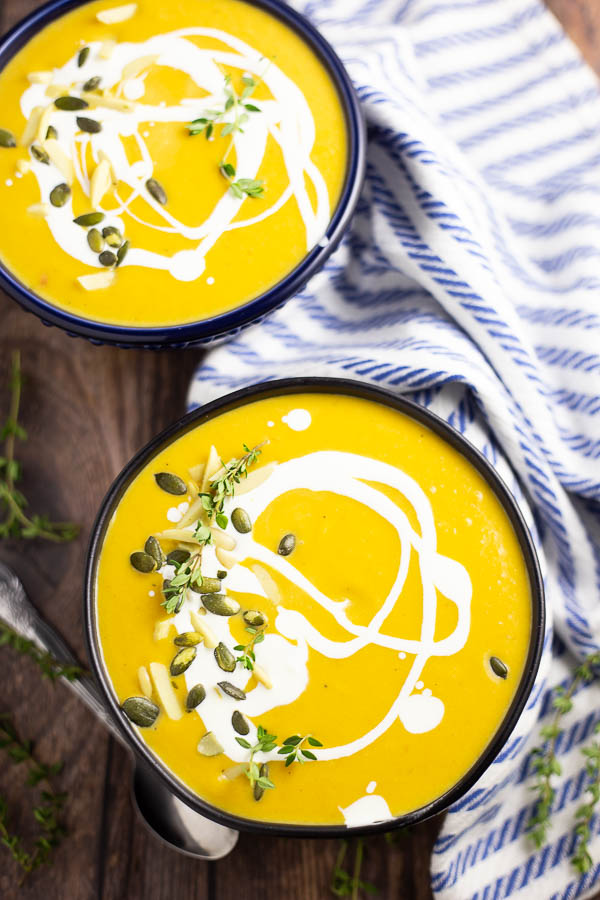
220	604
182	661
7	138
231	690
178	557
82	56
225	658
258	790
70	104
40	154
141	711
122	252
241	520
142	562
221	574
171	483
112	236
211	585
92	83
60	194
153	549
107	258
88	219
195	697
208	745
287	545
91	126
254	618
156	190
51	133
95	240
239	723
498	667
188	639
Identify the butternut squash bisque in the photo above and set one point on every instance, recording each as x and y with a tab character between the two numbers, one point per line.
314	609
161	163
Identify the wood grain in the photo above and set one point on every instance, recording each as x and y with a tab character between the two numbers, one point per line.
87	410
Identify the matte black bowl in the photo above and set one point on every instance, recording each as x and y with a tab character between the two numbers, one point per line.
435	424
227	324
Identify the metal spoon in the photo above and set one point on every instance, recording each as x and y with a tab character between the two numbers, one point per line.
168	817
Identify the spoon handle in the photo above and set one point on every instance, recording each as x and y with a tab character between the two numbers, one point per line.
19	614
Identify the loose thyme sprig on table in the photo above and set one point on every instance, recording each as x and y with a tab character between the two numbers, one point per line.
346	884
223	483
582	859
50	667
294	751
16	523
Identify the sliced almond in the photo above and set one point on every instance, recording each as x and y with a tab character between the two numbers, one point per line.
23	166
268	585
136	66
233	772
100	183
57	90
40	210
193	514
199	625
107	48
262	676
108	101
177	534
42	128
117	14
197	472
59	158
213	464
162	629
144	680
97	280
225	541
254	479
39	77
226	558
164	690
104	157
32	125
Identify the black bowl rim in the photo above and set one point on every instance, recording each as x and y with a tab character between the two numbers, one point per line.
336	386
233	320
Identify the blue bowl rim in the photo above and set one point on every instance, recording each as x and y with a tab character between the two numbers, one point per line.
335	386
231	321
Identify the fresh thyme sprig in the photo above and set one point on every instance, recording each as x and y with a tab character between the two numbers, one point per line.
294	751
16	523
545	762
205	124
251	187
46	812
345	883
223	483
248	658
187	576
264	743
50	667
581	859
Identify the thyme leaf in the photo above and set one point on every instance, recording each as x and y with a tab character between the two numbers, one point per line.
50	667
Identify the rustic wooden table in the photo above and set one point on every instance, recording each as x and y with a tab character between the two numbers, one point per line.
87	410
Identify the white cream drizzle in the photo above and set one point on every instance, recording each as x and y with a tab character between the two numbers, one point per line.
285	655
287	118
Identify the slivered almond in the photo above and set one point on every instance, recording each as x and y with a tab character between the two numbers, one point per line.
97	280
255	478
233	772
39	77
133	69
104	157
199	625
213	464
262	676
225	541
177	534
57	90
59	158
226	558
32	125
268	585
117	14
42	128
144	680
39	209
23	166
107	48
164	689
193	514
197	472
162	629
100	183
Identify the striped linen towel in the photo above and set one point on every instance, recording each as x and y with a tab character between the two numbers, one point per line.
470	281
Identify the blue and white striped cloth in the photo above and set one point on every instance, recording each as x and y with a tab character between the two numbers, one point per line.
470	280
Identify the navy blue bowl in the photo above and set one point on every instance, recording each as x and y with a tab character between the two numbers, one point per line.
230	323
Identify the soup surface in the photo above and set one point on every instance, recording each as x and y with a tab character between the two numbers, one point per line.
376	616
205	138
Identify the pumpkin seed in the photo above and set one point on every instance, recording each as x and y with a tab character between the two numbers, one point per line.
7	138
239	723
122	252
188	639
287	545
195	697
107	258
82	56
60	194
258	790
220	605
95	240
142	562
153	548
171	483
112	236
210	585
208	745
498	667
231	690
92	83
91	126
254	618
241	521
40	154
178	557
182	661
225	658
141	711
221	574
156	190
51	133
70	104
89	219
